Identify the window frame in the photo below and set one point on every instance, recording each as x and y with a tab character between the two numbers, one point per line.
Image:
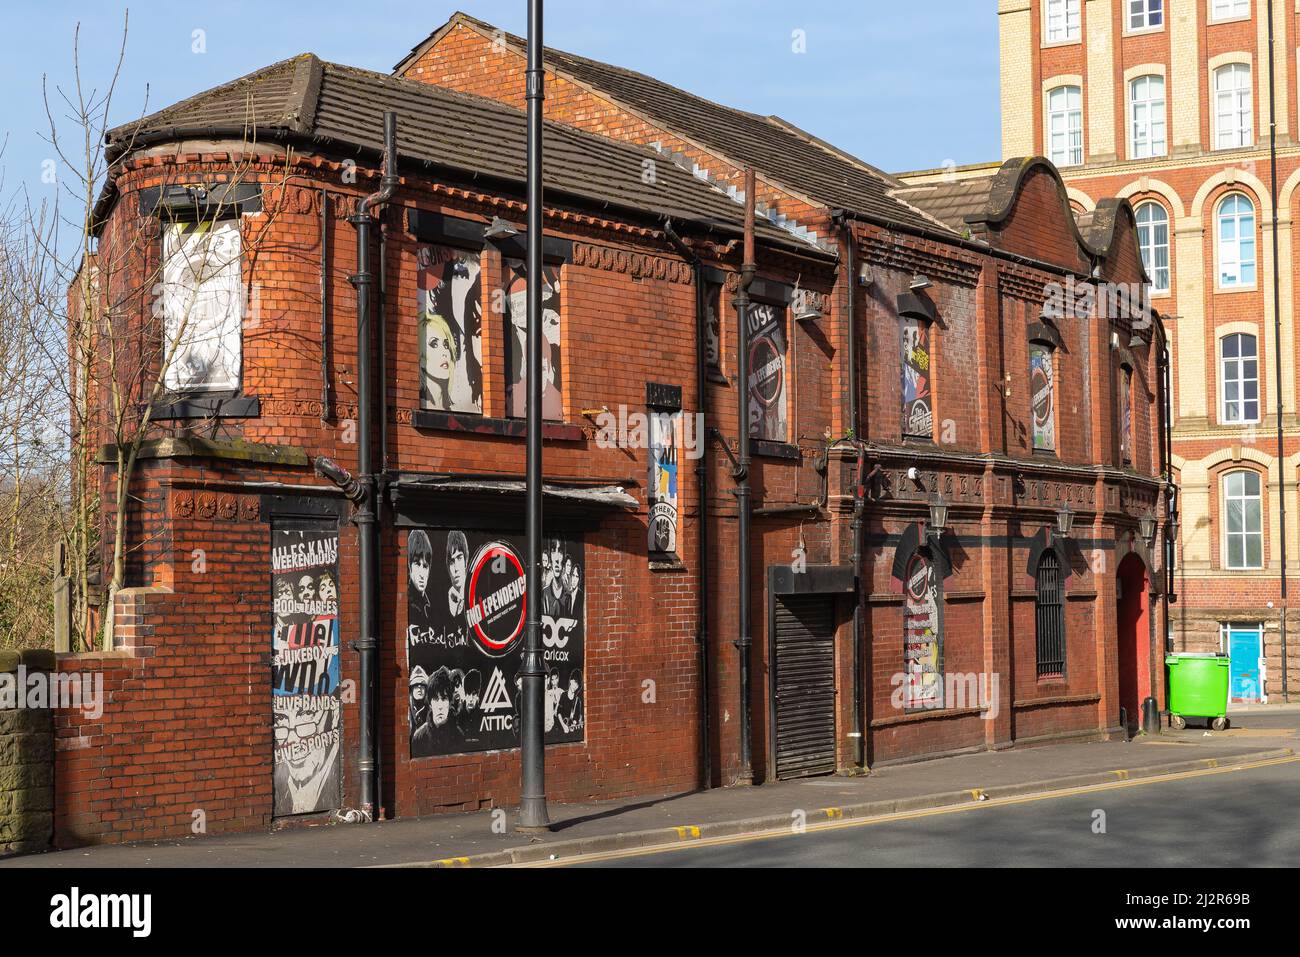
1238	284
1068	113
1042	608
1240	380
1228	17
1246	132
1134	149
1065	16
1226	498
1147	26
1152	269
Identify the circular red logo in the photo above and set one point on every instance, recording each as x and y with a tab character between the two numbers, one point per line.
497	605
766	371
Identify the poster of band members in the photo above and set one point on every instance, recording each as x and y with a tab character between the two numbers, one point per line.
451	314
917	412
1041	395
466	606
922	636
305	670
768	380
663	482
516	333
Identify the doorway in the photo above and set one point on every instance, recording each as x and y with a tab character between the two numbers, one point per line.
1245	647
1133	621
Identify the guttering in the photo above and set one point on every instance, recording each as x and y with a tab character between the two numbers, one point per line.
365	517
701	484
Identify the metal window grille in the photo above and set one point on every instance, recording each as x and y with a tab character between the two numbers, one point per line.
1050	608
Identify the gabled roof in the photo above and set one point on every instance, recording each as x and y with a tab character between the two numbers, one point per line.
778	151
340	109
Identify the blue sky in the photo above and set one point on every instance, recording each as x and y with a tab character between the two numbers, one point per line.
903	86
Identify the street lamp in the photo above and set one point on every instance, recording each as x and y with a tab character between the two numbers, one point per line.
938	516
1064	521
1147	528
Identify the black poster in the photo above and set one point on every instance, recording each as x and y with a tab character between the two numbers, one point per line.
305	670
466	609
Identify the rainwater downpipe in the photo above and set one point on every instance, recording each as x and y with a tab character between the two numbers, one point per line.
740	472
365	518
701	483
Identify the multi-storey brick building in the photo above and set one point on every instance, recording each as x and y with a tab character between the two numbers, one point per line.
926	422
1169	103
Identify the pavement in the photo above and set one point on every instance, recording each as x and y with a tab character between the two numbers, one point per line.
487	838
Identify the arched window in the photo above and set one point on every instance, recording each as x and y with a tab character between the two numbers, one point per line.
1243	521
1236	235
1146	97
1153	238
1233	125
1065	126
1049	609
1042	395
1239	377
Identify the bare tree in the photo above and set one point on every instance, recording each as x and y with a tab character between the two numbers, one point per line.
142	329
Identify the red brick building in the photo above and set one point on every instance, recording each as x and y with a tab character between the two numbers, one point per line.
913	353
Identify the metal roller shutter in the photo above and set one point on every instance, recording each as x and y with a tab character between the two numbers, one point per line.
804	679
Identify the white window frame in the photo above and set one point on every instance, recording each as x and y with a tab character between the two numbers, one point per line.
1151	259
1062	21
1148	133
1225	11
1138	14
1071	122
1228	252
1234	103
1246	532
1238	378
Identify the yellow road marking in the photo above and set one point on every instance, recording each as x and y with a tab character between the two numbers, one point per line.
1122	775
453	862
833	812
911	815
688	833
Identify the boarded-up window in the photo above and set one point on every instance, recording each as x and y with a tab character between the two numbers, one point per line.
769	379
202	306
516	335
451	312
918	413
713	311
922	635
1042	396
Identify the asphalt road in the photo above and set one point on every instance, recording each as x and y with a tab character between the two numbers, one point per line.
1236	818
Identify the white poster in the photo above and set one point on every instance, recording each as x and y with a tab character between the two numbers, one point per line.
202	305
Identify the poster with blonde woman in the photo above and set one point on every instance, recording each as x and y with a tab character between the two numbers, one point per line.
451	313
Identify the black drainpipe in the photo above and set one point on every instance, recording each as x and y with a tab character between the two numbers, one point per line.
859	501
740	472
701	483
367	529
326	406
1277	343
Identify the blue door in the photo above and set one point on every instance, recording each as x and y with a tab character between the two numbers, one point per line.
1244	650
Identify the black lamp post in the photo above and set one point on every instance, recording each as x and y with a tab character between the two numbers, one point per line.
532	752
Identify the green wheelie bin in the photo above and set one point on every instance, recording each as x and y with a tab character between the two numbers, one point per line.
1198	688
